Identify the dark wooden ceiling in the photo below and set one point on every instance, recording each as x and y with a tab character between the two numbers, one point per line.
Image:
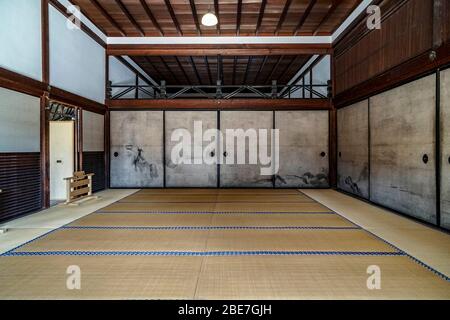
232	70
236	17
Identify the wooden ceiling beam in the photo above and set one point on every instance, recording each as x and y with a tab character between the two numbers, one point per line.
260	16
183	71
247	67
150	15
212	50
108	17
219	104
130	17
269	77
260	68
283	16
238	17
160	75
233	79
288	66
173	16
304	16
191	60
208	69
168	69
195	16
217	13
331	10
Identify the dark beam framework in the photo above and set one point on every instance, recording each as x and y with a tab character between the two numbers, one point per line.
304	16
150	15
195	16
130	17
191	60
168	68
283	16
238	17
260	16
208	69
183	71
217	12
108	17
331	10
173	16
269	77
261	67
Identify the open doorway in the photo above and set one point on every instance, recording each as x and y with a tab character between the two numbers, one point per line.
63	148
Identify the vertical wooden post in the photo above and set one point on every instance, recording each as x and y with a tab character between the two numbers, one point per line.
80	139
106	125
45	152
333	127
333	147
107	148
45	42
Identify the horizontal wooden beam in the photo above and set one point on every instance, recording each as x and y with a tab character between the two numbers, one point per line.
17	82
219	104
401	74
212	49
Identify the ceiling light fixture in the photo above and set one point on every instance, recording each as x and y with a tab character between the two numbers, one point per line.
209	19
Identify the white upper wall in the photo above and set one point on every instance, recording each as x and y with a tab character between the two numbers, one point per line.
20	37
77	62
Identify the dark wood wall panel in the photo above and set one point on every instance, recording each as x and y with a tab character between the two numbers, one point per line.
406	32
94	162
20	182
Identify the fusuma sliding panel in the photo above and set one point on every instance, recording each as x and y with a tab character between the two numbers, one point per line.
402	168
303	160
136	149
93	148
445	148
244	175
179	127
353	148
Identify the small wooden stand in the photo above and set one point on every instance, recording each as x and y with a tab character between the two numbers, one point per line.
79	188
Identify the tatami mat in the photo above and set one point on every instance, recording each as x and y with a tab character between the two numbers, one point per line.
231	277
117	277
232	219
215	207
316	277
215	244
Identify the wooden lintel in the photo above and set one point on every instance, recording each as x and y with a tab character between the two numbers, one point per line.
219	104
213	50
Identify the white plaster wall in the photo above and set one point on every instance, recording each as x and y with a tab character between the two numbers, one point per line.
77	62
20	37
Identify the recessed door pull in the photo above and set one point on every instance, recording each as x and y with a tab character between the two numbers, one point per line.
116	154
225	154
323	154
425	158
212	154
340	154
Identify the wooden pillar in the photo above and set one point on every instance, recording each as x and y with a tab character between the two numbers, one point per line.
45	42
333	126
45	152
333	147
80	139
107	147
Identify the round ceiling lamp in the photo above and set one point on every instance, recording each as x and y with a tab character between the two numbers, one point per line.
209	19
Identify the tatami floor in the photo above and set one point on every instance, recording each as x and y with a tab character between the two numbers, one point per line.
223	244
